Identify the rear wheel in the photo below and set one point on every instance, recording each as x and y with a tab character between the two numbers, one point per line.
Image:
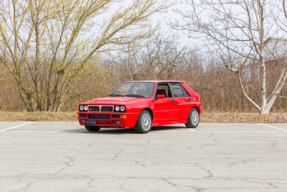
93	128
144	122
193	118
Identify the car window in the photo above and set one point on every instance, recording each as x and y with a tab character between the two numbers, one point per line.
163	89
176	90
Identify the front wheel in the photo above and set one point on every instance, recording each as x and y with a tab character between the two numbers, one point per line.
144	122
93	128
193	118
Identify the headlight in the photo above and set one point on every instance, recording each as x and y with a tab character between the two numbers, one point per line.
86	108
119	108
81	107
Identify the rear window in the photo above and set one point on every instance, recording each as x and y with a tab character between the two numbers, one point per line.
186	94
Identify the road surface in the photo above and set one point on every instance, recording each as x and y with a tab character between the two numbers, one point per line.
63	156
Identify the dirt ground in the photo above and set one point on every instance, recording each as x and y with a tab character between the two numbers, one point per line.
205	118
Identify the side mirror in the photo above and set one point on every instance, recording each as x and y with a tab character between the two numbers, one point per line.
160	96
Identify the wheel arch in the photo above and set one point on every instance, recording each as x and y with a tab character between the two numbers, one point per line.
150	111
197	108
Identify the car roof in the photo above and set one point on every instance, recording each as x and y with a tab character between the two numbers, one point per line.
160	81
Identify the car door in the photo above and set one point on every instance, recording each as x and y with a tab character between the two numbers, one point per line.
182	101
164	109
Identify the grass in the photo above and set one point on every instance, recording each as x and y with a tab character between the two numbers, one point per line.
205	118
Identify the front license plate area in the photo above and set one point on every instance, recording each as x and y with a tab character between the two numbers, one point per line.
90	122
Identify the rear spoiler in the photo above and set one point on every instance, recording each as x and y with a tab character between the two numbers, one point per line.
183	82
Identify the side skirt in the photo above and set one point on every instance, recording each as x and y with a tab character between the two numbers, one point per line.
169	122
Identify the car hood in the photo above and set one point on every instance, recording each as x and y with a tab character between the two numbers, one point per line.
114	101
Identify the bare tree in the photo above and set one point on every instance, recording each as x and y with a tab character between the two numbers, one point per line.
162	56
159	57
237	31
47	44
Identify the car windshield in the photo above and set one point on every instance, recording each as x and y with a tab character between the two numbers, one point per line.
134	89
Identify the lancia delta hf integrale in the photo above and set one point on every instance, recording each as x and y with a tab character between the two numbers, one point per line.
142	105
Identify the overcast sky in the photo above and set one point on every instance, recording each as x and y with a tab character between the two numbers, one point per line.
171	15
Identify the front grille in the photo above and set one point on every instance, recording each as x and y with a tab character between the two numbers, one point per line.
99	116
103	122
82	115
107	109
116	116
94	108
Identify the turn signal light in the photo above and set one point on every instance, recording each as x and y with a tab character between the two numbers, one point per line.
124	116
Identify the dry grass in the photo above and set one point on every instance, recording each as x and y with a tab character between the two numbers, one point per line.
243	118
205	118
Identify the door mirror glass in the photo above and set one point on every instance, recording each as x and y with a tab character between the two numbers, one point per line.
160	96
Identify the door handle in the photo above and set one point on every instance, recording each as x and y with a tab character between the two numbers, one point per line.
172	101
189	99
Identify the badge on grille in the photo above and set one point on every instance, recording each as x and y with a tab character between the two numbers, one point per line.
90	109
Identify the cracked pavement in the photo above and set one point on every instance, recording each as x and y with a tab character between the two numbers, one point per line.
63	156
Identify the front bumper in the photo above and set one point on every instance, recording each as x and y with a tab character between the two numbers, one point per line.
109	119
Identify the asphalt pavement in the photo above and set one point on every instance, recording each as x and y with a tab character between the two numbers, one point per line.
63	156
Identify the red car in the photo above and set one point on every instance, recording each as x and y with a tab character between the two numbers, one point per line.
142	105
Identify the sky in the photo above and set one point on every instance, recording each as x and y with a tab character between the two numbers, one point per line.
171	16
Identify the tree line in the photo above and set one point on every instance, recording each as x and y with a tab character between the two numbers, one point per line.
55	54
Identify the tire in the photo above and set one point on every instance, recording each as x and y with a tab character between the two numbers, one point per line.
144	122
92	128
193	118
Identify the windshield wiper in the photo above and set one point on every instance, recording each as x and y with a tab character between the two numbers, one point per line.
119	95
134	95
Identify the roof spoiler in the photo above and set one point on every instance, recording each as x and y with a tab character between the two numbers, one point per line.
183	82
